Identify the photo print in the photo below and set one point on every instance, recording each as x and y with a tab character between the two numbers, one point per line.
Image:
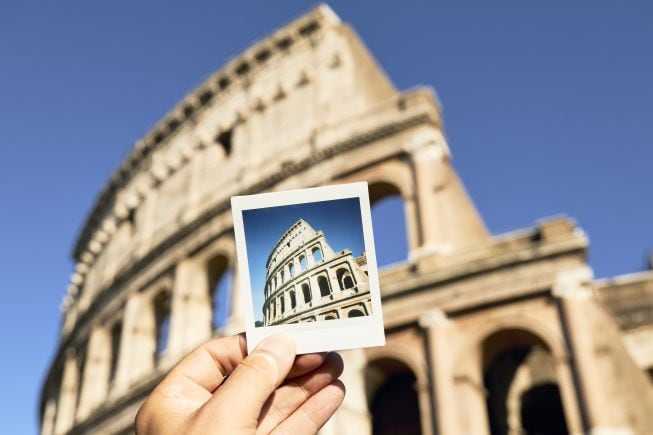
308	266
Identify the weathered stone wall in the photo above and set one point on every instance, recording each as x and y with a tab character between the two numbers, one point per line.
308	106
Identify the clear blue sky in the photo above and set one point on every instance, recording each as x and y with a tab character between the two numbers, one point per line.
339	220
548	109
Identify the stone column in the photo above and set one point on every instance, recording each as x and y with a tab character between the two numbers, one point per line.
572	289
191	310
438	343
137	345
67	394
310	261
49	414
333	280
95	382
315	291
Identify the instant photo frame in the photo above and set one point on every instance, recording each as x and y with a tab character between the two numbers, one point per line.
293	281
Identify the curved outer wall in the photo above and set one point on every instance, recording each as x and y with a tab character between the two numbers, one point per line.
309	106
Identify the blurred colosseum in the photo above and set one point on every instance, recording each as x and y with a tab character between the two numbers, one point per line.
485	333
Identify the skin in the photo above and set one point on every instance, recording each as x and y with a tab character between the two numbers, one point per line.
219	389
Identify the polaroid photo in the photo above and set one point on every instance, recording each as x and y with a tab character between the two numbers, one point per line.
308	269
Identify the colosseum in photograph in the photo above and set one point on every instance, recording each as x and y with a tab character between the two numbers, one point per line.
307	282
486	333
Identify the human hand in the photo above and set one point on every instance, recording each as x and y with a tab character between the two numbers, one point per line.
218	389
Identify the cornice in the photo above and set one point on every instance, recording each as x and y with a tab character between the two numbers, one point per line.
237	72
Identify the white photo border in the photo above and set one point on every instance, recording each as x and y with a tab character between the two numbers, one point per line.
327	335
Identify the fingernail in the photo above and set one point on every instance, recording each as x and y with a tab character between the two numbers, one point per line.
280	345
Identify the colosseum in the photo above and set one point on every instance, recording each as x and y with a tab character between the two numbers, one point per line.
306	281
506	333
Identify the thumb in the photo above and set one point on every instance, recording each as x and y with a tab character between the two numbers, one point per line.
240	398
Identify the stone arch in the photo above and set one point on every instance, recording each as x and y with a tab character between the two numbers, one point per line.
317	253
293	299
302	262
389	216
220	280
392	191
356	312
345	278
291	270
323	284
306	291
393	399
521	384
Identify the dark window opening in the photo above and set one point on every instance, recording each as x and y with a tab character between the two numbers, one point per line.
323	283
284	43
162	319
307	293
116	333
223	83
220	280
394	405
188	110
206	96
311	27
224	139
293	301
263	55
356	313
243	68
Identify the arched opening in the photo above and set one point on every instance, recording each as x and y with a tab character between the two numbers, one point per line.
323	284
291	270
283	305
392	398
116	333
162	321
283	277
302	262
355	313
220	283
389	221
317	254
306	290
330	317
344	279
293	301
521	385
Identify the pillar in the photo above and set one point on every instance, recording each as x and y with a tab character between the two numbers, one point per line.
310	261
67	394
438	345
49	414
95	381
191	311
447	217
333	280
315	291
574	295
137	344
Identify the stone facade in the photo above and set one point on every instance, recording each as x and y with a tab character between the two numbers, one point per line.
485	334
306	281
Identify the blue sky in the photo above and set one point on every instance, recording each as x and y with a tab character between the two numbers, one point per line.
339	220
547	109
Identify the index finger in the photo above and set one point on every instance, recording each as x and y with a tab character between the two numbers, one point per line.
208	365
